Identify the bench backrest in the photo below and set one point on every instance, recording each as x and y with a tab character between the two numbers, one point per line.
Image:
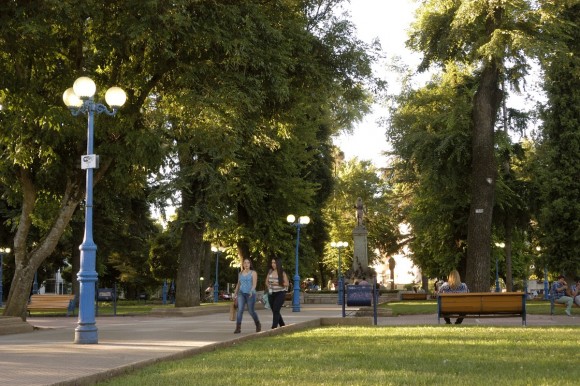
51	299
482	302
359	295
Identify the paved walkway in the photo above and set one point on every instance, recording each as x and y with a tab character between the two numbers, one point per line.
48	356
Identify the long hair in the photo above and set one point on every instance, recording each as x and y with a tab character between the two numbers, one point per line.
454	279
279	270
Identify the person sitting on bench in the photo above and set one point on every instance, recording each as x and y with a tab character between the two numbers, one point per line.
453	285
575	290
560	294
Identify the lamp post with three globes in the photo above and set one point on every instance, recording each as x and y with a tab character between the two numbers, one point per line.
79	99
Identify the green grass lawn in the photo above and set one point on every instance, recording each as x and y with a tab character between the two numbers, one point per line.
438	355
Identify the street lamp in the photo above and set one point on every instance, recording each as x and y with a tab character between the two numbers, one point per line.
164	292
546	289
35	283
302	220
497	288
217	251
339	245
2	252
79	99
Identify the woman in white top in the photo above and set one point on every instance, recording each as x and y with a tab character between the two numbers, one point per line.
277	285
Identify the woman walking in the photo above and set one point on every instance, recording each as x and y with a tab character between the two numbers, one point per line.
277	285
245	293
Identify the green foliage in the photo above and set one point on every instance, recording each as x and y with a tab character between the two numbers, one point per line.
355	179
559	152
430	129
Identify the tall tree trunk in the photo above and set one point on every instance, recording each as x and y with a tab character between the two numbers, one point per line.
27	262
392	264
19	292
483	181
509	281
508	221
486	104
187	285
321	269
244	223
425	283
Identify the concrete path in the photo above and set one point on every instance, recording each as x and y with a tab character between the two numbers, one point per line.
48	356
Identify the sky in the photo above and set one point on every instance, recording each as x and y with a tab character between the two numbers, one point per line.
388	21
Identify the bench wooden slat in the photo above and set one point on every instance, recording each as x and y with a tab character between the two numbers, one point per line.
481	304
51	303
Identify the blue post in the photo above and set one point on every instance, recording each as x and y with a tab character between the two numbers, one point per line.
375	299
115	299
303	220
1	272
497	288
216	284
340	281
86	331
164	292
35	283
339	245
296	298
79	99
546	289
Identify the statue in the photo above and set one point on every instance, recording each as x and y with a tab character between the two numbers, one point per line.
359	211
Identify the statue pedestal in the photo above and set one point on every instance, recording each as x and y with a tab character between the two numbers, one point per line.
360	261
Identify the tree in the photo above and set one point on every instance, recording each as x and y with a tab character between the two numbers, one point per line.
559	151
252	122
44	47
430	132
489	36
273	81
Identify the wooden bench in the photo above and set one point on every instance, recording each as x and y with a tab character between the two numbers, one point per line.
52	303
482	305
413	296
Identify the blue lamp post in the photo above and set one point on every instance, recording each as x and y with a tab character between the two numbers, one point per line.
339	245
497	287
302	221
79	99
2	252
217	251
164	292
35	283
546	285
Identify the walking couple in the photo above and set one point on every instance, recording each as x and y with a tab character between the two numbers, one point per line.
245	293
